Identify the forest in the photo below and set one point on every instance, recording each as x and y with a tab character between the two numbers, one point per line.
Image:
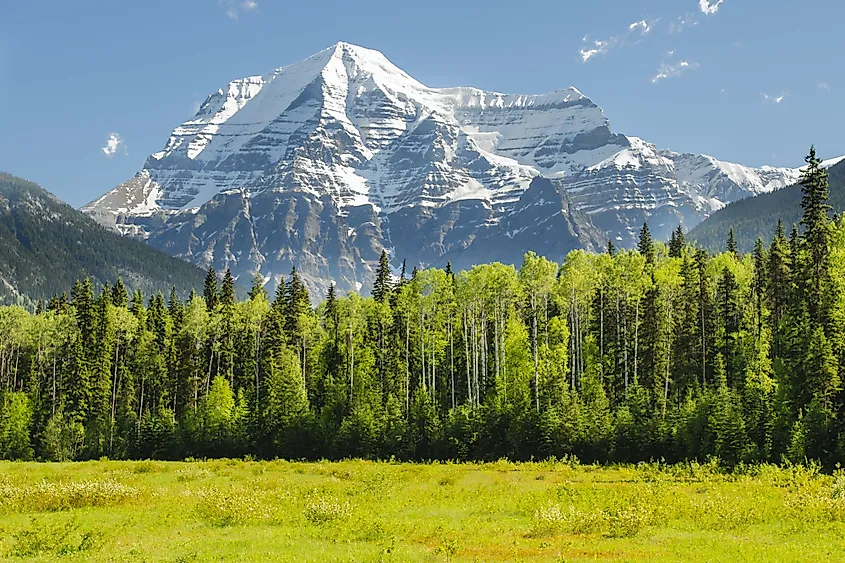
665	352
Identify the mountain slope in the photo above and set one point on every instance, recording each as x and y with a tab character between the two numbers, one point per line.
46	245
758	216
322	163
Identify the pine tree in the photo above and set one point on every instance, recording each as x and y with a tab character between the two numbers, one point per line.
817	236
611	250
821	372
646	245
729	311
119	294
227	292
779	286
210	291
732	247
677	243
382	287
257	288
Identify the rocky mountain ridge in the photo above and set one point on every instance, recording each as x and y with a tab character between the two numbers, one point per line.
322	163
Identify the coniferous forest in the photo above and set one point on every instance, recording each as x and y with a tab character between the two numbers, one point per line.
663	352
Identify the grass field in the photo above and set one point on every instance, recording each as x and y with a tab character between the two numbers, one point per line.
363	511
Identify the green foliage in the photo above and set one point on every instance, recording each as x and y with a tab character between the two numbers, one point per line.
631	355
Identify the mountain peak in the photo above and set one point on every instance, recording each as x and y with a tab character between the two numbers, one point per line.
324	162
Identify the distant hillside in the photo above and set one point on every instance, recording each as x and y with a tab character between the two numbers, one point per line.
45	245
758	216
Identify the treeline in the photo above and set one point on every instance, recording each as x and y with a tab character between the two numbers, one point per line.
663	352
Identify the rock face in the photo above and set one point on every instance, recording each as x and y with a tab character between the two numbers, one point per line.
323	163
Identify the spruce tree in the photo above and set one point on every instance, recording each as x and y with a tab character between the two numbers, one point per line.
257	288
646	244
382	287
677	243
779	286
210	292
227	291
732	247
611	250
729	312
119	294
817	236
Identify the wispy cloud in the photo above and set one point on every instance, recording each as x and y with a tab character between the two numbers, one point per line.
597	48
113	143
233	8
824	86
635	32
776	99
708	7
643	26
671	70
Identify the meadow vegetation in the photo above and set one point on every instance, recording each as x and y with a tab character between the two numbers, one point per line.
231	510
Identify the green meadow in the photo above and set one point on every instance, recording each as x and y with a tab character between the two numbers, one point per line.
232	510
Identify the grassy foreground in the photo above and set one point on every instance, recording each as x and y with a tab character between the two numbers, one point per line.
364	511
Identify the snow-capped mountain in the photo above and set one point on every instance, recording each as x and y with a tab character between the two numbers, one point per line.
322	163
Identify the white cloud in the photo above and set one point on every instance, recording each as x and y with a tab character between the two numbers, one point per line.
709	7
670	70
775	99
636	30
233	8
598	48
643	26
112	145
824	86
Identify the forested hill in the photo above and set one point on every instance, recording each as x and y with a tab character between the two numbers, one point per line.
45	245
758	216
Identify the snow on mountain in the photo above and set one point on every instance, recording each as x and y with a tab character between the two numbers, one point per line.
322	163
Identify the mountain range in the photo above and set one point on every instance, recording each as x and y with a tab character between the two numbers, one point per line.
757	217
46	245
321	164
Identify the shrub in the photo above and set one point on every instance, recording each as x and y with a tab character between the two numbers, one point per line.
50	539
54	497
229	508
326	510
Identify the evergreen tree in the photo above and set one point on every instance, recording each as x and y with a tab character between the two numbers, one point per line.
257	288
119	294
383	283
732	246
227	291
677	243
646	244
779	283
210	292
816	237
611	250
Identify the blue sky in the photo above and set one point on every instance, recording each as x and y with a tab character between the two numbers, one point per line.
752	81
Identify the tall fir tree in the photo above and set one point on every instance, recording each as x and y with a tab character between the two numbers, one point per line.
383	284
677	243
816	238
645	246
211	292
732	247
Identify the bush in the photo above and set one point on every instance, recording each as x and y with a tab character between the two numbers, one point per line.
54	497
50	539
230	508
327	510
